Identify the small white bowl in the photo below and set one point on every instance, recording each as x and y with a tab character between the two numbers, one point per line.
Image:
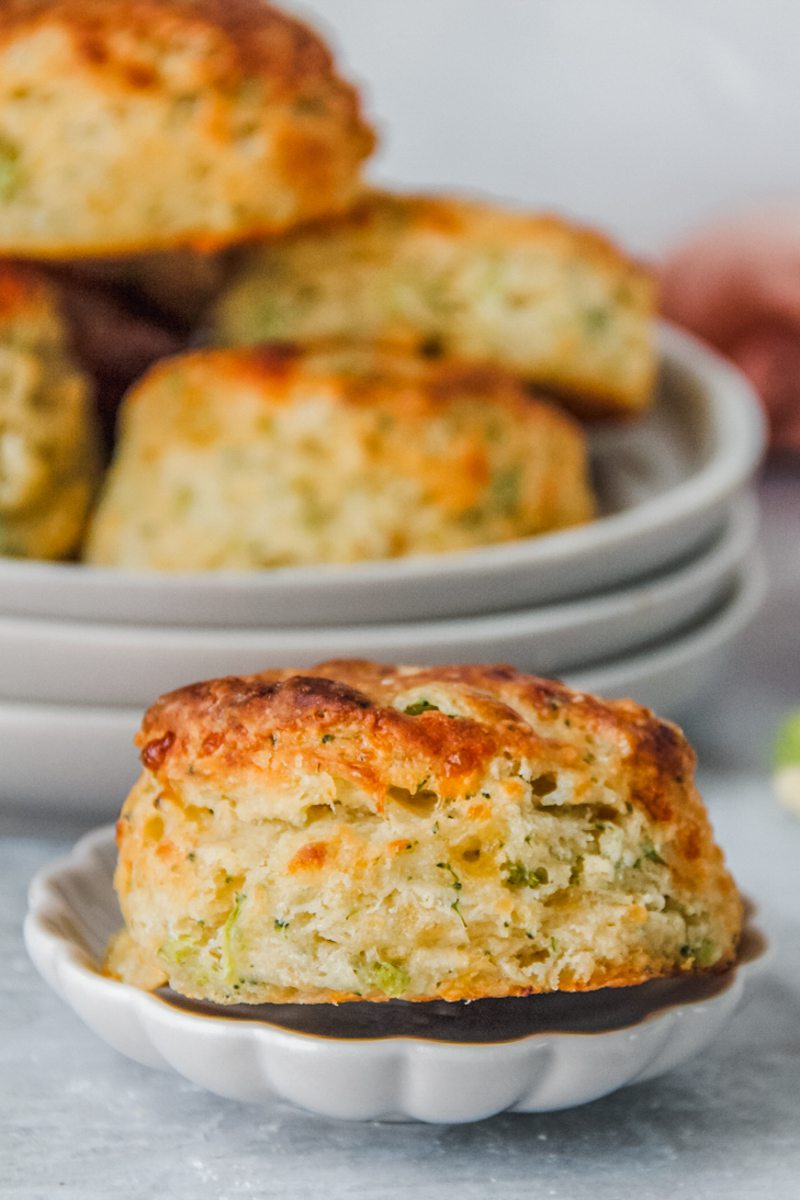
82	760
665	480
425	1073
47	661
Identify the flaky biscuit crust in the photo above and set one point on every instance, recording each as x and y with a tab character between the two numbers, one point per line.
227	721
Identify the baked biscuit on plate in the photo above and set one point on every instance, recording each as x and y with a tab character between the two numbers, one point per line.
134	125
270	457
366	832
550	301
49	443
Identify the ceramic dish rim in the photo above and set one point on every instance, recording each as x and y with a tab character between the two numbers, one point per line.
734	613
718	559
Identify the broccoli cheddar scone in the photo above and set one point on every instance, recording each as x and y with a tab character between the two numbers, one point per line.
367	832
49	443
554	303
134	125
271	457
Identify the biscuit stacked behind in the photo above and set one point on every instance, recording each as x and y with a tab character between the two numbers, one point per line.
49	443
369	832
135	134
141	142
133	125
554	304
269	457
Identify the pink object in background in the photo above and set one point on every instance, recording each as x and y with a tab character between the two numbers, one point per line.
737	284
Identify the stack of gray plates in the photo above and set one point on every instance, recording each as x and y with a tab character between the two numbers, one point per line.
643	602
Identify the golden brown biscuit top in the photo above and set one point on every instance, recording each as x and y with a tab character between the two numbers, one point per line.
471	217
141	41
437	729
369	376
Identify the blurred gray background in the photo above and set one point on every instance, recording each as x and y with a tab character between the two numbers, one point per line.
642	116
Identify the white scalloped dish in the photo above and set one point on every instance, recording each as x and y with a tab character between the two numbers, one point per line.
441	1063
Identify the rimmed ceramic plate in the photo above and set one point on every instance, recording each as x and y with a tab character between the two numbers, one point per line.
81	663
82	760
665	481
449	1063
